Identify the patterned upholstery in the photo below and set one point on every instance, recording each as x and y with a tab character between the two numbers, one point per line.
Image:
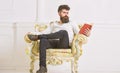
57	56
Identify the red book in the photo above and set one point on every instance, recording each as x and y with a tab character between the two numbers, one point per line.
84	27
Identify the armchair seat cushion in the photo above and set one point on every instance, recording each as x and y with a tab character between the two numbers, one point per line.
59	52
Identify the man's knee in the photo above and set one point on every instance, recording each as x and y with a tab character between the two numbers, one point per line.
64	32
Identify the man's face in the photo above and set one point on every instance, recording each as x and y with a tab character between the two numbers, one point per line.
64	15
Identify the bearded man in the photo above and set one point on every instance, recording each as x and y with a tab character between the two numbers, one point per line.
60	36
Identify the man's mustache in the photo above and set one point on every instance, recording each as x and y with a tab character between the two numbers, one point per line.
65	17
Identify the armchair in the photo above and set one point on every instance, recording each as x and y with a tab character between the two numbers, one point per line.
56	56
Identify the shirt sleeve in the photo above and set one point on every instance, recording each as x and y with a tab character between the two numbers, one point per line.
75	28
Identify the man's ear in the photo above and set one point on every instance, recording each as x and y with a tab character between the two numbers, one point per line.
59	13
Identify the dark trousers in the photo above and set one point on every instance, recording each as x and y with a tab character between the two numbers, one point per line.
58	39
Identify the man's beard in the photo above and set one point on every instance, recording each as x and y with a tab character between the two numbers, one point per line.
64	19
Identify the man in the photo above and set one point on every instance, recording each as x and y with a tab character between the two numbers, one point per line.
60	36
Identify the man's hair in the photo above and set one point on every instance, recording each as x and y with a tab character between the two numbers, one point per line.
63	7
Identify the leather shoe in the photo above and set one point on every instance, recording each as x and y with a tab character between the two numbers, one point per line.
33	37
42	70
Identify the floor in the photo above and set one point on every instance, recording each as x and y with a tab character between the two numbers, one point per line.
55	71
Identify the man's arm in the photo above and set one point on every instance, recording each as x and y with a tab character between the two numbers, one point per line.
76	28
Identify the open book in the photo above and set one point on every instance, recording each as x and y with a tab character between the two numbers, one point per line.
84	28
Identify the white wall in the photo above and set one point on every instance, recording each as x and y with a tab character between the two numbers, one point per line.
105	11
101	53
17	10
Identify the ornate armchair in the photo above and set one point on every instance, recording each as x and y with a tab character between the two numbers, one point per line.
56	56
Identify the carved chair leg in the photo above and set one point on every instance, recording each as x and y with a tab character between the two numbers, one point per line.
76	66
72	66
32	63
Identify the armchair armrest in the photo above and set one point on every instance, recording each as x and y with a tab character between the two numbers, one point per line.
78	41
32	46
